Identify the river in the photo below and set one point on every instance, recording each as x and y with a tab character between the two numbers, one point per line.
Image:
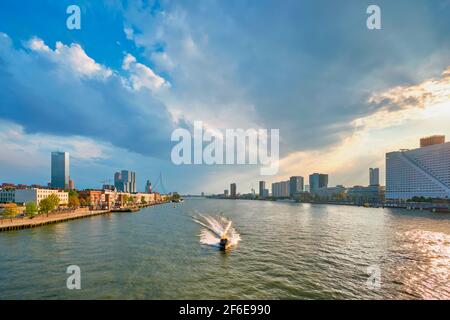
286	251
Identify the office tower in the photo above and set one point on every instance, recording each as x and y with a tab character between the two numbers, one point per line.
421	172
281	189
233	190
60	170
148	187
225	193
432	140
374	176
262	187
125	181
295	185
317	181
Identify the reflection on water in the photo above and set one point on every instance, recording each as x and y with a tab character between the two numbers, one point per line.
288	251
427	254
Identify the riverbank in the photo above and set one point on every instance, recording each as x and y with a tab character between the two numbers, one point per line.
57	217
421	206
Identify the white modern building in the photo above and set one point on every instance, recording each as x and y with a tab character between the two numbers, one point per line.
37	195
421	172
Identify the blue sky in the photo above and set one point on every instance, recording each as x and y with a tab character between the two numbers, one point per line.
112	92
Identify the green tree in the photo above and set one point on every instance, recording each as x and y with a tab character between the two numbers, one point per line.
54	199
48	204
10	210
31	208
176	196
125	198
143	200
45	206
74	201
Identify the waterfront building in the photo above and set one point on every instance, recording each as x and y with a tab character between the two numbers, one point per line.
307	188
262	187
233	191
317	181
125	181
421	172
374	177
370	194
60	170
94	198
281	189
331	193
7	195
37	195
225	193
295	185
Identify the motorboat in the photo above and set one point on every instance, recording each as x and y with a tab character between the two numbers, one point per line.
224	243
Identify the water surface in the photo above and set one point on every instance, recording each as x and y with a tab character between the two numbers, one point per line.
287	251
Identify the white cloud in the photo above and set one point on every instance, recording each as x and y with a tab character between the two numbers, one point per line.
141	76
72	57
129	33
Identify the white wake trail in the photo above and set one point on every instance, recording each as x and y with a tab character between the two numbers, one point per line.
214	229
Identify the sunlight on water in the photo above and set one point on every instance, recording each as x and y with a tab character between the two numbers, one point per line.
430	258
214	228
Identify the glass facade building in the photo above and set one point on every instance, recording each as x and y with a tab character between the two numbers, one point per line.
60	170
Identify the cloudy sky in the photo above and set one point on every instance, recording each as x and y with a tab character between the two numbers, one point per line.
112	93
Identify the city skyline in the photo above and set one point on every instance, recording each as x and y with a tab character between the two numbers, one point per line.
352	96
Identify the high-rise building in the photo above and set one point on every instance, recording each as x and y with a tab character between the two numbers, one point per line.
225	193
262	187
374	177
233	191
60	170
317	181
125	181
421	172
281	189
295	185
148	187
432	140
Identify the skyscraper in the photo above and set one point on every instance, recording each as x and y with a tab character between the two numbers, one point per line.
262	187
281	189
60	170
148	187
233	191
317	181
421	172
125	181
295	185
374	177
